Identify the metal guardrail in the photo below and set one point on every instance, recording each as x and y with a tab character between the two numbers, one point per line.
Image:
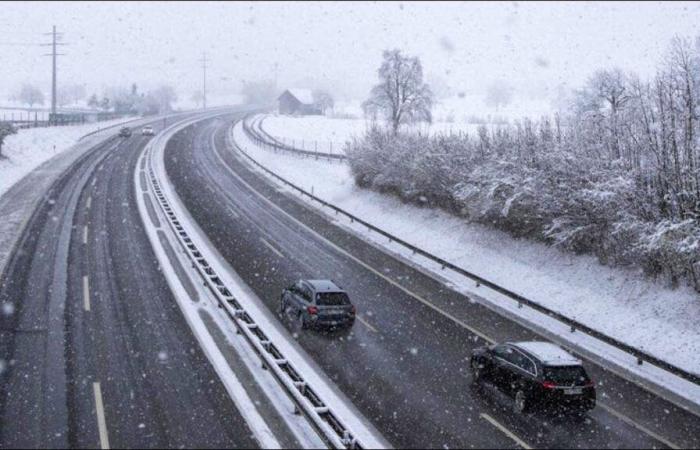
307	402
574	325
262	138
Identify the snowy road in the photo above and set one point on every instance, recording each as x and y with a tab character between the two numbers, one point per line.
405	365
131	374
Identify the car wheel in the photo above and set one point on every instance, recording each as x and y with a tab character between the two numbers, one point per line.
521	402
477	372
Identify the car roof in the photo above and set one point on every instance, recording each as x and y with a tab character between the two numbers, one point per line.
324	286
550	354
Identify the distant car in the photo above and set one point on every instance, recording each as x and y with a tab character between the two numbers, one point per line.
147	131
125	132
317	304
535	374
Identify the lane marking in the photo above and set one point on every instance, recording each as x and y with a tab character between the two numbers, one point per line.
415	296
85	234
268	245
89	202
94	180
641	428
86	293
354	258
233	213
100	411
505	431
365	323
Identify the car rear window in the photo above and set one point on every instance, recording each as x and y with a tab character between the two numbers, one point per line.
332	299
565	374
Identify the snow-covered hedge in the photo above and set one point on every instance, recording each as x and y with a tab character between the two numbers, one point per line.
532	182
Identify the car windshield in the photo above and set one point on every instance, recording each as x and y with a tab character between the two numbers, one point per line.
565	374
332	299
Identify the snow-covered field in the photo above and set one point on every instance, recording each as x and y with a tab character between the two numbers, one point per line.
317	132
26	150
617	302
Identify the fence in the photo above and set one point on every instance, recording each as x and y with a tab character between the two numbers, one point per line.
640	355
252	128
20	118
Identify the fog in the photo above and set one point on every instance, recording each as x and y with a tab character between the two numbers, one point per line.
536	48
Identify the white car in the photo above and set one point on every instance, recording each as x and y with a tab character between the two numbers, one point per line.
147	131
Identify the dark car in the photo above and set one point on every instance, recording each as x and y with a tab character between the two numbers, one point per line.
535	374
317	304
125	132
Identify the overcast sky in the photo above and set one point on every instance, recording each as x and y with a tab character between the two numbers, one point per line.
533	46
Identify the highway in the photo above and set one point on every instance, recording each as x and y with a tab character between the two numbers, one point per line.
100	353
405	364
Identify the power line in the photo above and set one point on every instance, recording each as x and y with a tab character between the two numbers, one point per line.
204	79
54	43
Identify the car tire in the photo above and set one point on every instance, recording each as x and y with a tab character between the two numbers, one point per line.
477	373
521	404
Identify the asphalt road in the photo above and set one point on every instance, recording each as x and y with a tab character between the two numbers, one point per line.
405	363
93	347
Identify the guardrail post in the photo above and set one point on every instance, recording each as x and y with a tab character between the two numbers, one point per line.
573	329
640	361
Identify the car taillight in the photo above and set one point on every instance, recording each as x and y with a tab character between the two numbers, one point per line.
352	310
312	310
548	385
590	384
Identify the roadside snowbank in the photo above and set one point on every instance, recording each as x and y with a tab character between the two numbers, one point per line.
26	150
617	302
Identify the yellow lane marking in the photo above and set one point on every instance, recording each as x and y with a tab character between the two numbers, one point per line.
505	430
100	411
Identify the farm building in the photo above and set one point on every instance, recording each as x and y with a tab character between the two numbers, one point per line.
298	102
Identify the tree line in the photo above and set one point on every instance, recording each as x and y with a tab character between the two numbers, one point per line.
615	175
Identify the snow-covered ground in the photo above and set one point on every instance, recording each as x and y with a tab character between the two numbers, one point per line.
321	133
26	150
617	302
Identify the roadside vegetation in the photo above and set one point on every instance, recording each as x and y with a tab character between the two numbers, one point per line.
616	176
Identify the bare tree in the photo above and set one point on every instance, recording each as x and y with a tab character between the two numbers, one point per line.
197	97
401	96
323	100
259	92
30	95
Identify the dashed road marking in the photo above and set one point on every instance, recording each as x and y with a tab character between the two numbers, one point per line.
365	323
505	430
100	412
634	424
85	234
268	245
86	293
89	202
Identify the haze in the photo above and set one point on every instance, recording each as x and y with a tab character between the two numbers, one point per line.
535	47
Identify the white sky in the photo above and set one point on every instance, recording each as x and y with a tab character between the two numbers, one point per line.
533	46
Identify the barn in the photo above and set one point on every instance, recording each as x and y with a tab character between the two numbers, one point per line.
298	102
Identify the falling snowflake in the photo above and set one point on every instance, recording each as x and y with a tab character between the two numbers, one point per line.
8	309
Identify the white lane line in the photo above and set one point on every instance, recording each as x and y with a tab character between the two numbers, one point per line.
94	180
354	258
365	323
268	245
85	234
504	430
233	213
641	428
100	411
89	202
415	296
86	293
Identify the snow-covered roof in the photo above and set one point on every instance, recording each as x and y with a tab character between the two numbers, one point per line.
303	95
548	353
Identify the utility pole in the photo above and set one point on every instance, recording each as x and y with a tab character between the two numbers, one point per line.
276	68
55	36
204	79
